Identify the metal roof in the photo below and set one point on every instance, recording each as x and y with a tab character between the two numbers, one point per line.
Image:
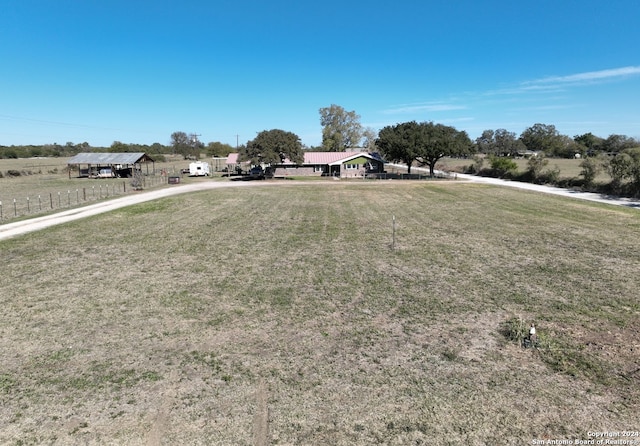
320	158
232	158
109	158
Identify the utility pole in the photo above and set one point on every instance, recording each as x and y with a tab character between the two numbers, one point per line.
195	143
237	139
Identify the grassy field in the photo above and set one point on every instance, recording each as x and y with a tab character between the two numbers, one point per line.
282	315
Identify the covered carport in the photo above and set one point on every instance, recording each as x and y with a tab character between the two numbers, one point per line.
122	165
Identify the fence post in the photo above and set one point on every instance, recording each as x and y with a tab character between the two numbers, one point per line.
0	210
15	209
393	236
77	197
51	199
124	187
28	206
68	197
39	203
59	204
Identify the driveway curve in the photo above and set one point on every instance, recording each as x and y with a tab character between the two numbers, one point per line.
600	198
35	224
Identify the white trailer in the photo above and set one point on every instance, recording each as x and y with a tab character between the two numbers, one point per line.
199	169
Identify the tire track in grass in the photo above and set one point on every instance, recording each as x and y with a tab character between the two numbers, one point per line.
261	417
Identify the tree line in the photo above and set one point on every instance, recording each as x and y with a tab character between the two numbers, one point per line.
412	143
71	149
187	150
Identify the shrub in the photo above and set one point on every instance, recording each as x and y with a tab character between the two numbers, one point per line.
590	169
13	173
476	167
502	166
551	176
535	166
136	180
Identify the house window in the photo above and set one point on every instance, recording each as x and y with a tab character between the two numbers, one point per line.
351	166
318	169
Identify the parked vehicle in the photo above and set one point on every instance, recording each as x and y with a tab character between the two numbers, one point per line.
199	169
256	173
105	173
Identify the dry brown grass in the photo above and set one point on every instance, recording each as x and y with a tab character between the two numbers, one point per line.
280	315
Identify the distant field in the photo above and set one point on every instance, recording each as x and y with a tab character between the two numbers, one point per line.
569	168
282	315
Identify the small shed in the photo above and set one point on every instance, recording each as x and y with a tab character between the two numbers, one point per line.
122	165
235	166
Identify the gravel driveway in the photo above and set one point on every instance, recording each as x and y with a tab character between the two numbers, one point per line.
34	224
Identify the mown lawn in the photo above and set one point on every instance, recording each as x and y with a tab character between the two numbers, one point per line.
282	315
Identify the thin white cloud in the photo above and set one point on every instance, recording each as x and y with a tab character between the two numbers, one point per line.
582	78
427	107
561	83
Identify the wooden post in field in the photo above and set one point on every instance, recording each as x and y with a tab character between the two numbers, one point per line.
393	237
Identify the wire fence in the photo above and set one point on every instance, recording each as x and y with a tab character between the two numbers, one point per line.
408	176
45	202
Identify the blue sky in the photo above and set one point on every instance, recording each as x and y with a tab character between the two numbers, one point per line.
136	71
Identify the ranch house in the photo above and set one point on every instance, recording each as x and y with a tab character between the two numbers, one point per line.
338	164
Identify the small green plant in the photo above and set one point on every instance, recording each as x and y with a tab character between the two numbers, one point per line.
450	354
6	383
514	329
207	358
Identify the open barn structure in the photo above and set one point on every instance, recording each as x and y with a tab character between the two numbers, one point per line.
110	165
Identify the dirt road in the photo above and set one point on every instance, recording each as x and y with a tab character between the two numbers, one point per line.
35	224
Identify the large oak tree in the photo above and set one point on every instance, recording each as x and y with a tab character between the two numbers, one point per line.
273	147
423	142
